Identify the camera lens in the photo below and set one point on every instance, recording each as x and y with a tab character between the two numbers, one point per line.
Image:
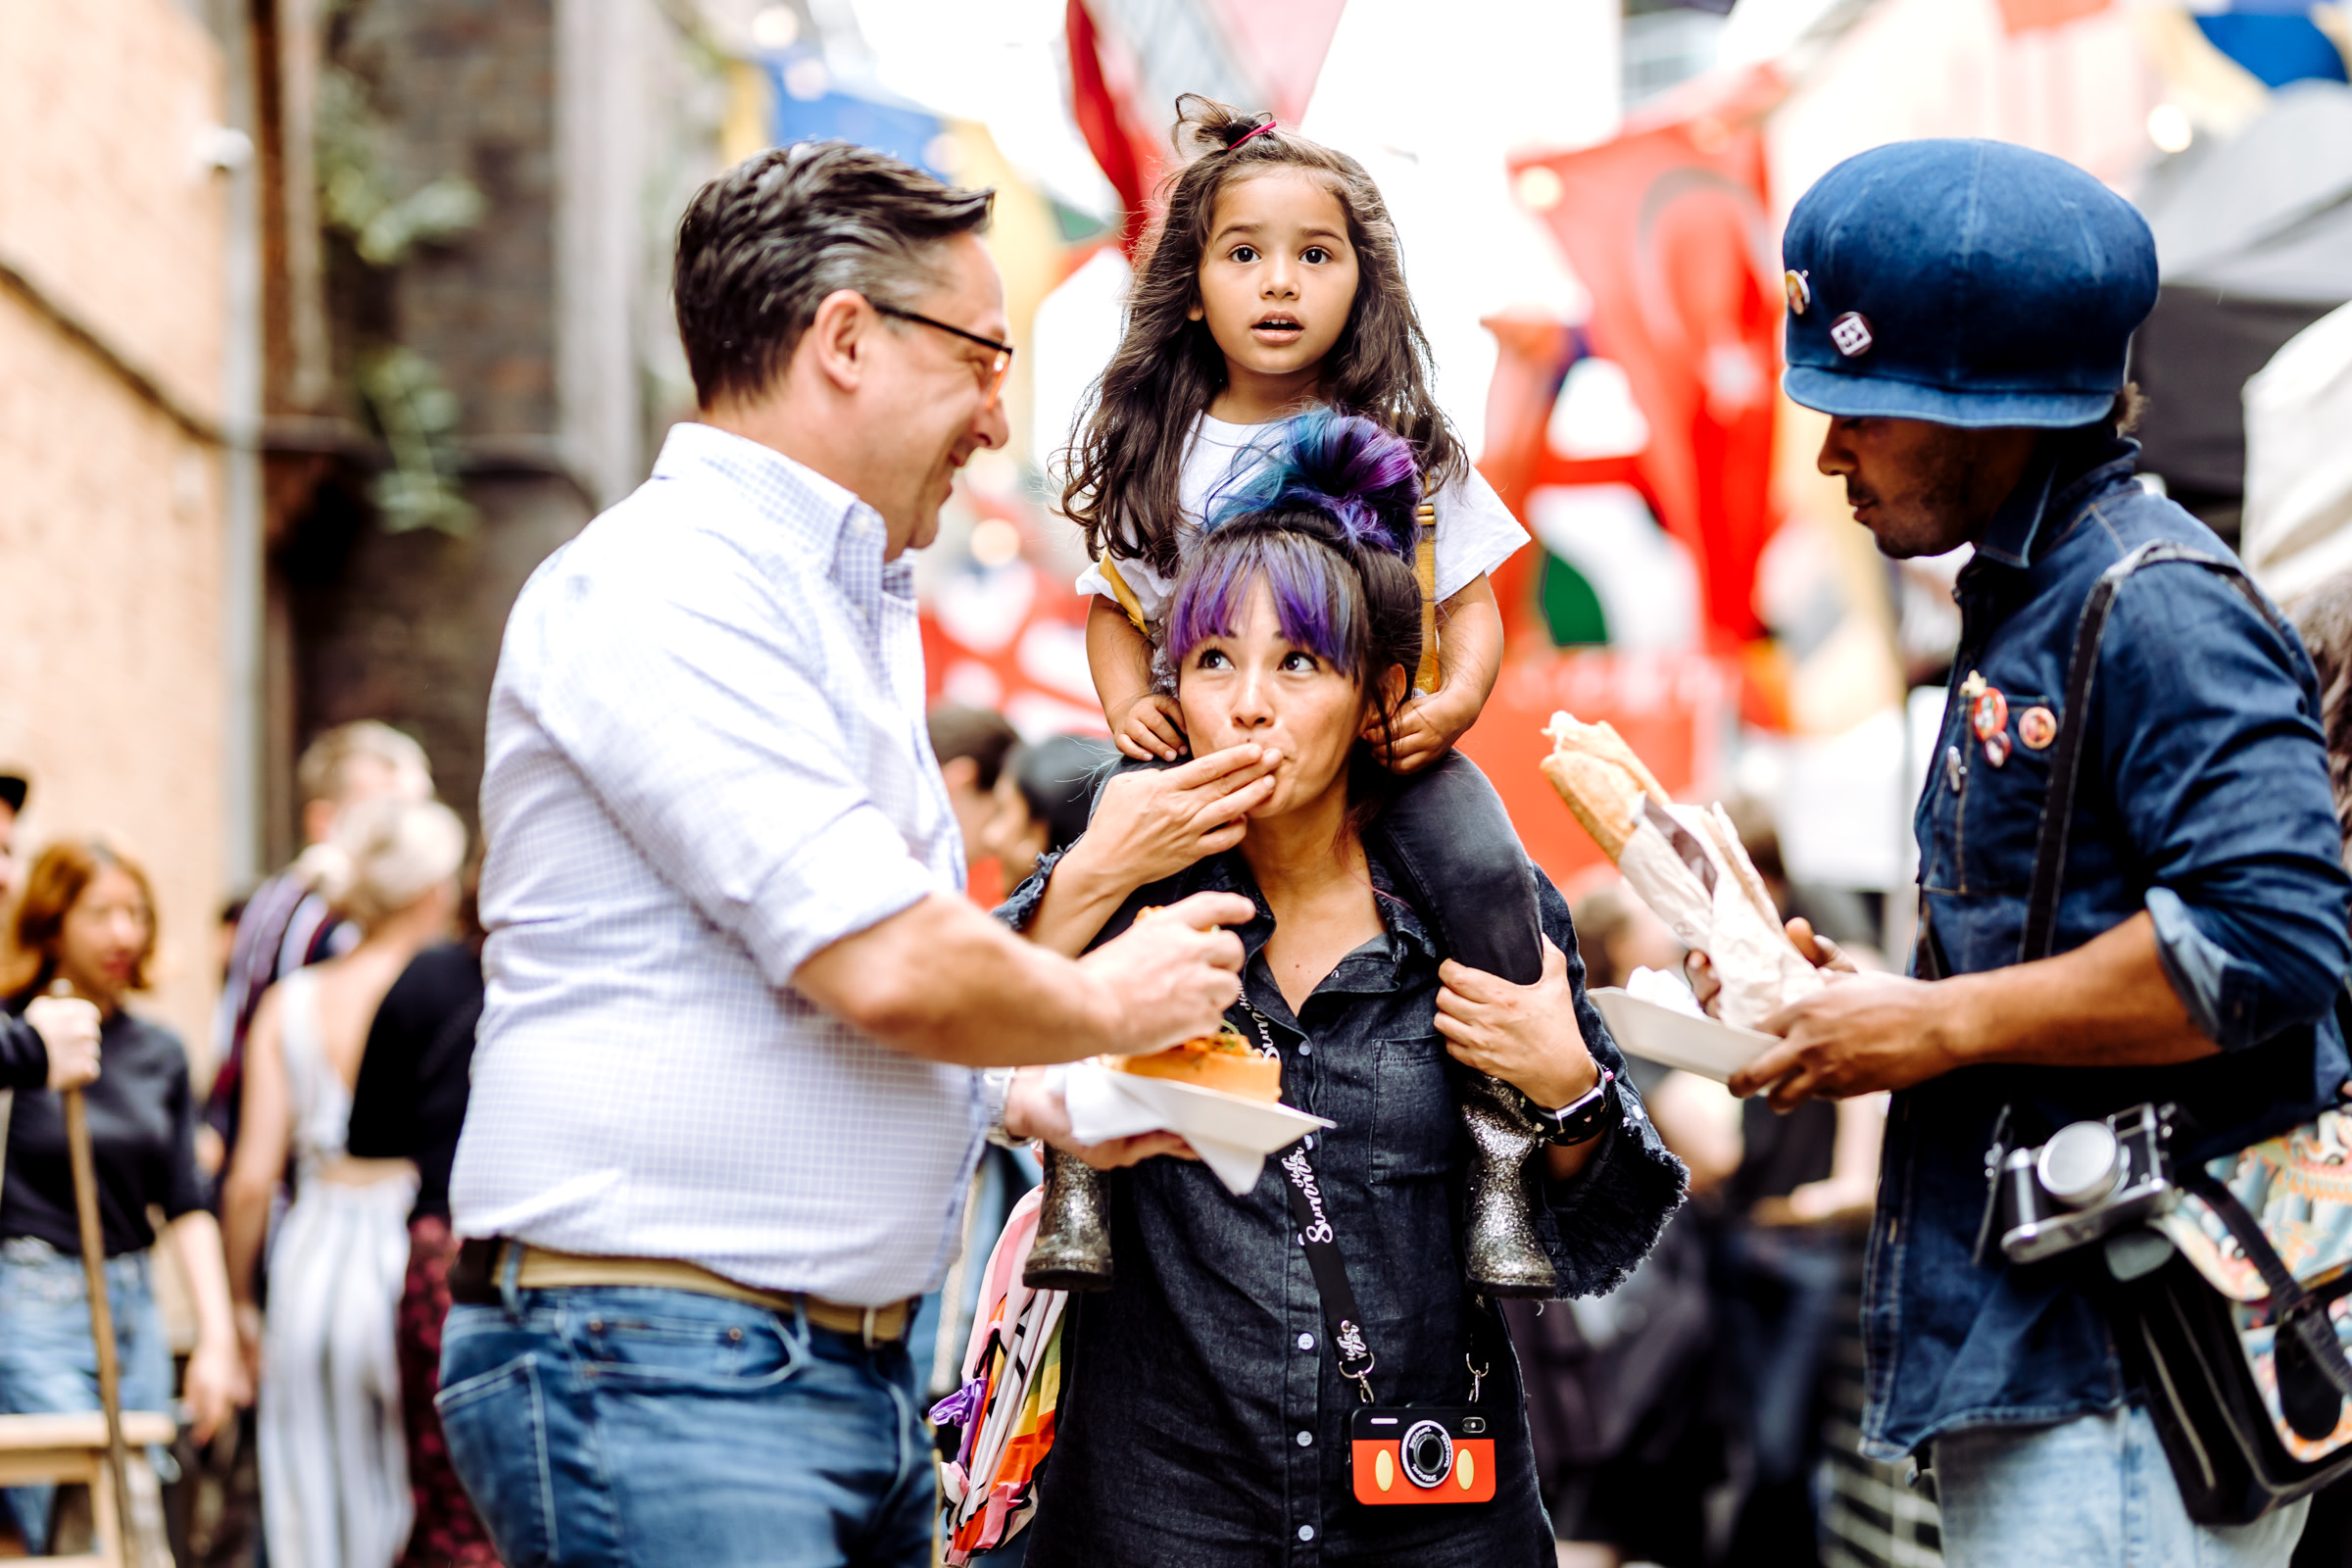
1428	1451
2079	1164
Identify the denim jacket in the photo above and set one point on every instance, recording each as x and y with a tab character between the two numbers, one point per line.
1204	1418
2203	798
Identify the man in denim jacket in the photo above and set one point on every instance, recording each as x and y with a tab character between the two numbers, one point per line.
1962	309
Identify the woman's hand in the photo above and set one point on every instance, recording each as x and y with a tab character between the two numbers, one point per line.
217	1386
1527	1036
1151	824
249	1323
1034	1110
69	1029
1149	728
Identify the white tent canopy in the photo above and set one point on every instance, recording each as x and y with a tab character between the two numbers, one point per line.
2298	521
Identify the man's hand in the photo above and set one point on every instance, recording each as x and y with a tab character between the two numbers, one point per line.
1859	1034
68	1028
1423	728
1527	1036
1817	949
1150	728
1032	1110
1174	972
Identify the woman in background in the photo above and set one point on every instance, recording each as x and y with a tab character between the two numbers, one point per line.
87	920
334	1468
410	1104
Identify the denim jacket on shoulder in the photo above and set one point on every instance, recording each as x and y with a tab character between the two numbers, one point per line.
2203	798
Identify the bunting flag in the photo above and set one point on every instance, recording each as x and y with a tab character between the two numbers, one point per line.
1667	227
1131	59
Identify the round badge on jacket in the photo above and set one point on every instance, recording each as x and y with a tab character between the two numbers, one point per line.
2036	727
1991	714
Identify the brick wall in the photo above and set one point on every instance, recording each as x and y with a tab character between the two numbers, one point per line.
111	545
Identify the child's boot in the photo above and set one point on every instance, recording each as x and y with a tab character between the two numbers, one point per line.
1072	1249
1505	1254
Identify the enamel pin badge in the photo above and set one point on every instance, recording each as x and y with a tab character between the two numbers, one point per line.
1989	718
2037	728
1850	334
1799	291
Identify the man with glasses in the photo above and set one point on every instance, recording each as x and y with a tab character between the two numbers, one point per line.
724	1103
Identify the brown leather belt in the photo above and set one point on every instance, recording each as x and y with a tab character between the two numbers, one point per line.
544	1268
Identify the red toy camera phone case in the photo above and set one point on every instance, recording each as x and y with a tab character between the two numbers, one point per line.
1417	1454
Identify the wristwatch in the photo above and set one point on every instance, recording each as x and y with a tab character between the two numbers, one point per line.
1582	1119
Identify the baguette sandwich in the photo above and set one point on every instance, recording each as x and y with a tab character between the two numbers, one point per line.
1685	862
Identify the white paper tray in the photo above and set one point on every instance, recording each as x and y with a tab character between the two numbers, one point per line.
1232	1134
1703	1046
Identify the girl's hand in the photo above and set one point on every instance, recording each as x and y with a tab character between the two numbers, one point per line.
1424	727
1527	1036
1149	729
1151	824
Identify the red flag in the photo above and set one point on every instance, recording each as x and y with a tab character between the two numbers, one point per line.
1667	227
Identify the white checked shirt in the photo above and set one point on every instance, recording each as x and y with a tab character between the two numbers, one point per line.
706	762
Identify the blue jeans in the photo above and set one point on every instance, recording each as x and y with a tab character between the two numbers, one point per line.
48	1361
607	1426
2088	1492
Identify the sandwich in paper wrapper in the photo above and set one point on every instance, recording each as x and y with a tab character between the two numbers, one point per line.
1685	863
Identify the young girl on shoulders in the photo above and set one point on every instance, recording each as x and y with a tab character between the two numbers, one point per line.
1274	288
1274	285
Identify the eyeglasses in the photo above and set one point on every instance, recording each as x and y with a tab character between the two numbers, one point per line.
998	368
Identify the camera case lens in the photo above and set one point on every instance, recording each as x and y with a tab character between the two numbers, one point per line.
1417	1454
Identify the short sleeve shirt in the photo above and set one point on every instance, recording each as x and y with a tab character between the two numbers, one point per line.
1476	531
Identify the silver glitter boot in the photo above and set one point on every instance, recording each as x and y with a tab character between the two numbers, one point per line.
1072	1249
1505	1256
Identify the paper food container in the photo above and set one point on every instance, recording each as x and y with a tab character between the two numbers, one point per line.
1703	1046
1232	1135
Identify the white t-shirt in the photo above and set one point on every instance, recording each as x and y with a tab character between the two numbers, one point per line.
1476	531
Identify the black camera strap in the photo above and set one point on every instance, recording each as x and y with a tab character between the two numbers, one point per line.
2066	754
1319	1239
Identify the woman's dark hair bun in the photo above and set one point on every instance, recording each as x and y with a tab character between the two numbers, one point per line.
1343	465
1205	125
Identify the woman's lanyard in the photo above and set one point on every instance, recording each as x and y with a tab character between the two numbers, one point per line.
1319	1240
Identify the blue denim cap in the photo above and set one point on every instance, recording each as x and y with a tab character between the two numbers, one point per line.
1967	283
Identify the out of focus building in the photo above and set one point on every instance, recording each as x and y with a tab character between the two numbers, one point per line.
466	217
114	356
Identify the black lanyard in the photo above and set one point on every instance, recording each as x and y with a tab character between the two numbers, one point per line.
1319	1240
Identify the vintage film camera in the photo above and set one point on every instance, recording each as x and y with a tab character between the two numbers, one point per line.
2090	1178
1415	1455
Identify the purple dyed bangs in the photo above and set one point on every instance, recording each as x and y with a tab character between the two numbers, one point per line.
1313	607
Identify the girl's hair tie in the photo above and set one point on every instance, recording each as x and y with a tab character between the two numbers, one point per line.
1257	129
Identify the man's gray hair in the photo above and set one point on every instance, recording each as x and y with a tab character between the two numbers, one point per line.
764	244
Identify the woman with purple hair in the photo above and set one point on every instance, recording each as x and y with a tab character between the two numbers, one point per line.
1218	1398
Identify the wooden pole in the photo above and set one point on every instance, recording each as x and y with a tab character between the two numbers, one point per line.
102	1311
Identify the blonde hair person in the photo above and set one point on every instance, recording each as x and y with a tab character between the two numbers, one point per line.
287	922
335	1471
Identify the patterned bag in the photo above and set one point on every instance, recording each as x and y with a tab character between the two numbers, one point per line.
1011	1391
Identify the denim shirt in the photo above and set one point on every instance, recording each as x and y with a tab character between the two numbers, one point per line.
2203	798
1204	1419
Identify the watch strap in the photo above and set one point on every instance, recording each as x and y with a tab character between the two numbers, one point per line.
1582	1118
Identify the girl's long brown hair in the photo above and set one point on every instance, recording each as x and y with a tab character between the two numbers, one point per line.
1120	476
